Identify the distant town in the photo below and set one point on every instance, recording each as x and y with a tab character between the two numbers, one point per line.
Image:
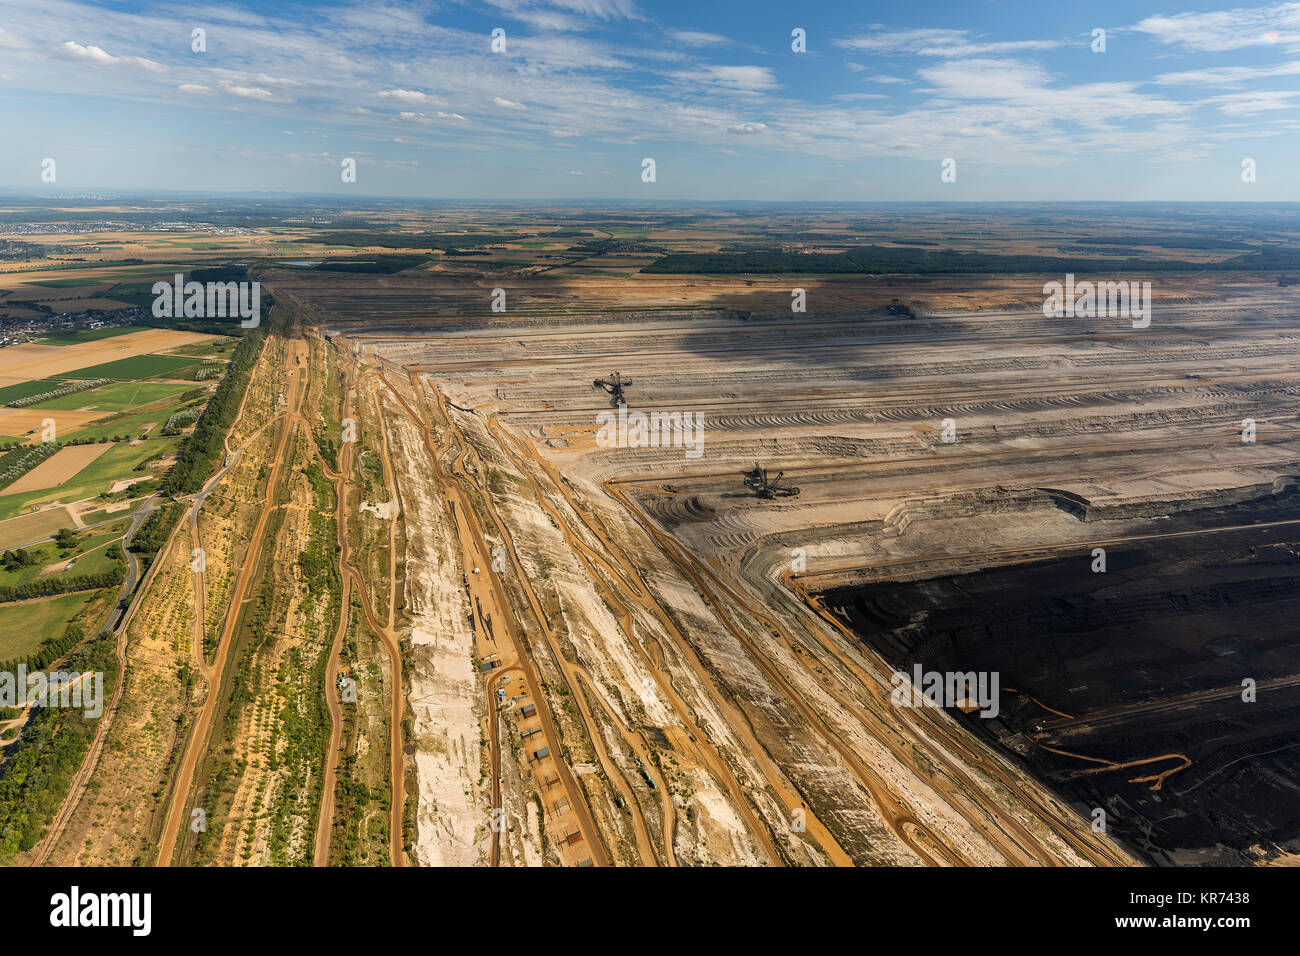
16	331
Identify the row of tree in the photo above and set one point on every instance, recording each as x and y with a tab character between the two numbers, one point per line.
62	584
152	535
204	447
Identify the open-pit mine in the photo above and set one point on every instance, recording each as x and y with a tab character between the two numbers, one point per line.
664	562
667	537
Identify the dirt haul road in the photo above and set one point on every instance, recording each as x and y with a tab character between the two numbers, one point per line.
196	744
388	635
491	594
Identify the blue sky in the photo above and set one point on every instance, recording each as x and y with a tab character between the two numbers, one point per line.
710	89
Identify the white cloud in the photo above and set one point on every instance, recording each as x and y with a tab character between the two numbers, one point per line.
565	15
747	129
506	104
425	118
94	54
939	42
698	38
1226	29
1246	104
11	41
195	89
1228	75
247	92
1026	86
751	78
410	96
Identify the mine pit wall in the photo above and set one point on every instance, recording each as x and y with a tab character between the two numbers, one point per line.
706	819
729	664
764	560
816	772
445	695
526	525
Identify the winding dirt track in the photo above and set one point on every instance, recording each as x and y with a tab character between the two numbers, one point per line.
325	819
197	742
392	643
82	778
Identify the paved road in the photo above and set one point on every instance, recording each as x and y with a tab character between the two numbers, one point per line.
151	504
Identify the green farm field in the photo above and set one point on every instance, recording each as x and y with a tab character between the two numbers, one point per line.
90	555
116	398
11	393
25	625
116	464
102	514
69	282
130	423
138	367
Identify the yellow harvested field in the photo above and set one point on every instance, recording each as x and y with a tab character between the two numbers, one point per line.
20	421
54	471
24	363
25	529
